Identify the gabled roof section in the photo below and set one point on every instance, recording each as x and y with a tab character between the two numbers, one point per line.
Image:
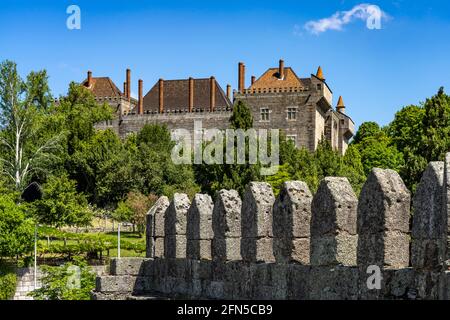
176	95
271	79
103	87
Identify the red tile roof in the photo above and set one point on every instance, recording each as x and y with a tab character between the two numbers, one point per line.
103	87
176	95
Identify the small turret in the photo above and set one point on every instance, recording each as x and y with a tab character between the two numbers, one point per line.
319	74
340	105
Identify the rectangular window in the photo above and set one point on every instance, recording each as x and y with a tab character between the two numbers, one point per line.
265	114
292	113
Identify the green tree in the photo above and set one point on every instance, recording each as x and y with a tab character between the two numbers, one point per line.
242	117
16	230
134	209
406	132
61	204
353	168
277	180
107	168
21	103
378	152
436	127
366	129
153	169
214	177
70	281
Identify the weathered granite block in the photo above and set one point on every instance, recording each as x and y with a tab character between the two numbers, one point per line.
428	254
384	203
331	250
227	215
429	228
159	247
428	285
175	217
292	250
214	289
257	249
199	218
199	249
175	246
291	222
127	266
279	274
155	224
257	210
119	283
333	224
383	221
334	283
226	249
386	250
334	208
157	212
429	217
201	269
395	284
298	282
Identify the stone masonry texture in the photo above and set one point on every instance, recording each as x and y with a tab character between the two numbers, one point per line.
298	245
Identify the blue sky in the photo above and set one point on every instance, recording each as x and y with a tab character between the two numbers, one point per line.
376	71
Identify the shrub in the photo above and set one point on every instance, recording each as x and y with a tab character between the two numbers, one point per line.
8	282
16	231
70	281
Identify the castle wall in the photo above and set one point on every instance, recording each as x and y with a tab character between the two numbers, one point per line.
278	103
134	123
297	245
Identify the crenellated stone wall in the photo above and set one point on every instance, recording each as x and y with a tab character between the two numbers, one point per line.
296	246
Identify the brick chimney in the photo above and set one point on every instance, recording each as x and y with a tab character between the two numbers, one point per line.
229	92
212	94
161	96
125	89
89	79
241	79
141	97
281	69
253	79
128	84
191	94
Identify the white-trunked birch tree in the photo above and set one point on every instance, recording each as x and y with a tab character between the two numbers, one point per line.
24	151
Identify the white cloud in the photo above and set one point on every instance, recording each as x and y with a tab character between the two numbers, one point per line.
364	11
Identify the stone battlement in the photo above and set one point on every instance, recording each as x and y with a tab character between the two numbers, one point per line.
296	245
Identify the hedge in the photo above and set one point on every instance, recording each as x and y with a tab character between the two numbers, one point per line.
8	281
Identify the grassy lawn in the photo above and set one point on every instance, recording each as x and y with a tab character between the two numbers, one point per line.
132	244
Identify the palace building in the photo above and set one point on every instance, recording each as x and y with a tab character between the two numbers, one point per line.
279	99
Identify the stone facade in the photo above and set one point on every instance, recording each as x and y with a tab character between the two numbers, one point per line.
300	107
332	245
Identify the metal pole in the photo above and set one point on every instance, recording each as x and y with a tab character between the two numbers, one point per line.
35	257
118	241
